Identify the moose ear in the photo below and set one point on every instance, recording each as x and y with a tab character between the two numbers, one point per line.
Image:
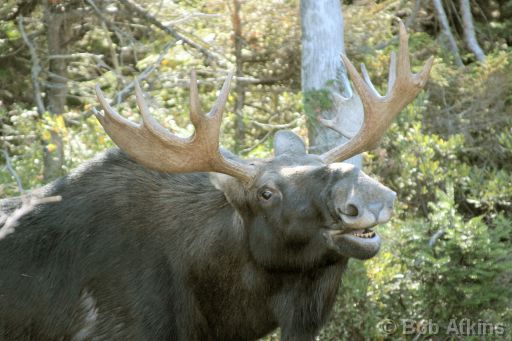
287	142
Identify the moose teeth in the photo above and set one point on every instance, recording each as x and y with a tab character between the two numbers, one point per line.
365	235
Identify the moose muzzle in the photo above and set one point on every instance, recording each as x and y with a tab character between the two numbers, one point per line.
359	203
361	210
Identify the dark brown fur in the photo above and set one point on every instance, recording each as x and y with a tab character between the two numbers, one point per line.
133	254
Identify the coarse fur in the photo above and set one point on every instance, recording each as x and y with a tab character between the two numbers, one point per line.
134	254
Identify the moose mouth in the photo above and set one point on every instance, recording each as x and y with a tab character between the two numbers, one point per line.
360	243
363	233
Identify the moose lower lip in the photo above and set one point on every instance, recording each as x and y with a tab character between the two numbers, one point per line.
361	244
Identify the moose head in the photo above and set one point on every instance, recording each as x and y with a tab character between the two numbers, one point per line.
299	209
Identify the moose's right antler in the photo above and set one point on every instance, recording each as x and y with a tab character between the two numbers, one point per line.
155	147
380	111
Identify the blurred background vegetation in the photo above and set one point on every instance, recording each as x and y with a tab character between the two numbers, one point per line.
447	252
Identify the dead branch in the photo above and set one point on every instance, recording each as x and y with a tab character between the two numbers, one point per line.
76	56
258	142
8	222
10	169
35	68
190	17
443	19
410	20
435	237
274	127
119	32
469	30
271	129
121	95
139	11
113	57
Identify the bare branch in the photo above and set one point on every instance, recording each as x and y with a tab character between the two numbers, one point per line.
335	126
113	56
119	32
271	128
35	68
258	143
9	222
152	20
441	14
121	95
435	237
410	20
11	170
191	16
469	30
276	126
76	55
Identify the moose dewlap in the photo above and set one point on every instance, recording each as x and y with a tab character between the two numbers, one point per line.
171	238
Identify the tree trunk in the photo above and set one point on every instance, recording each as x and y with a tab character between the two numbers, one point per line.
441	14
239	72
57	32
410	20
469	30
324	78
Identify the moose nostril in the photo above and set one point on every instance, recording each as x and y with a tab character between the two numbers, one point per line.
351	210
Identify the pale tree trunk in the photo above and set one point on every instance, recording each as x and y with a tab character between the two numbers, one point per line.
57	32
443	19
239	72
324	78
469	30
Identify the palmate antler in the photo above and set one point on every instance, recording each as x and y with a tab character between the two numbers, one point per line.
155	147
380	111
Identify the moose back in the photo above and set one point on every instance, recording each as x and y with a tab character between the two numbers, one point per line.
173	238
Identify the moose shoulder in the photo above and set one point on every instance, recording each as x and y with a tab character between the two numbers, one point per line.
175	239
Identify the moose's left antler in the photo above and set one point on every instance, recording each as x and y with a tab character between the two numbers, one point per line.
380	111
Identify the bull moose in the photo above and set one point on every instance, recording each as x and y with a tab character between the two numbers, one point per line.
174	238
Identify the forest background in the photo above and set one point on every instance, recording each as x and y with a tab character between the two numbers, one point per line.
448	250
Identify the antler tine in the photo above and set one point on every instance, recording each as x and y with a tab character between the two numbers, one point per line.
380	111
392	71
422	76
149	122
368	80
404	64
358	82
155	147
210	123
195	104
218	107
110	116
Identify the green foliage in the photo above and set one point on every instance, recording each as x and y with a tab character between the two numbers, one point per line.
83	138
437	266
316	102
447	251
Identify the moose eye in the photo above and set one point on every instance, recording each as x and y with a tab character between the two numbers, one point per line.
266	194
